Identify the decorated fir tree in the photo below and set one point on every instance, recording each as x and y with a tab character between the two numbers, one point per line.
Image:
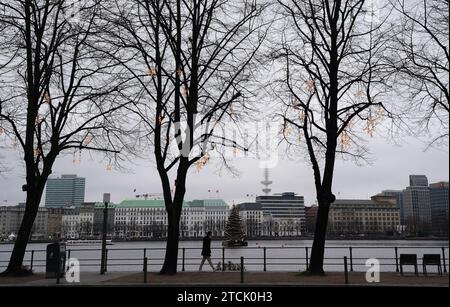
234	233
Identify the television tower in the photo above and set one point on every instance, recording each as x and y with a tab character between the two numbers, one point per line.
266	182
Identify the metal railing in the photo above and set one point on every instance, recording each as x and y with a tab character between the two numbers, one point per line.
256	258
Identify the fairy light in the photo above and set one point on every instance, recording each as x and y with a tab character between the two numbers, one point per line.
47	98
37	152
201	163
2	130
152	71
310	85
88	139
345	141
301	115
109	167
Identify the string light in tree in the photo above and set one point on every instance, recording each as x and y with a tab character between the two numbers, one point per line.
88	139
2	130
152	72
310	85
301	115
47	98
37	152
201	163
109	167
345	141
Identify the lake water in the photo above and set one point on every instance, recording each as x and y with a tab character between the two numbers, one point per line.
288	255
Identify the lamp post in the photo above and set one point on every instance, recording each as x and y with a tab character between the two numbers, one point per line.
106	200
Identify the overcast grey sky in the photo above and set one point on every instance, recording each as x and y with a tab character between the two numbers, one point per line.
390	169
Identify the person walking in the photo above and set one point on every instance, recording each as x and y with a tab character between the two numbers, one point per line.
206	251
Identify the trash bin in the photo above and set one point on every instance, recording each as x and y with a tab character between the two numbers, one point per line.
55	260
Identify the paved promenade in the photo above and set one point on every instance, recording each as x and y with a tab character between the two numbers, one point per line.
232	278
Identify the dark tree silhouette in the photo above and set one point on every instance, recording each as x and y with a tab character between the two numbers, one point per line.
58	93
420	54
333	84
191	62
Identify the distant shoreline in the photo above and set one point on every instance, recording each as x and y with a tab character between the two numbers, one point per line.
337	238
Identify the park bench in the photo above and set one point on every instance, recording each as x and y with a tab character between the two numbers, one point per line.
408	259
431	259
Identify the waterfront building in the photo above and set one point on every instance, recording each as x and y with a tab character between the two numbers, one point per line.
310	218
11	218
286	213
71	223
252	218
68	190
361	216
439	207
417	207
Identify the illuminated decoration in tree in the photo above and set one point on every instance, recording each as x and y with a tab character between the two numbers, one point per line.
186	91
310	85
75	159
14	145
360	94
47	98
109	167
370	126
152	72
88	139
231	109
285	130
345	141
301	115
2	130
179	71
37	152
201	162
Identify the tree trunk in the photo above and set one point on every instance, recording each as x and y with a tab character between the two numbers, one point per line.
171	257
18	253
318	248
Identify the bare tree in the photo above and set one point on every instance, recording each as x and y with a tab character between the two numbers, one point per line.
191	62
420	54
333	80
58	92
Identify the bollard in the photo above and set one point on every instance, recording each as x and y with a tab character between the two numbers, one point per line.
223	258
346	270
184	252
265	259
145	270
31	262
307	258
443	260
396	259
68	257
351	259
242	270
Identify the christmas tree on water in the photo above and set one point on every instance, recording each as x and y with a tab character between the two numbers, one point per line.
234	234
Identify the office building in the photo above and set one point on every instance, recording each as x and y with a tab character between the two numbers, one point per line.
362	216
286	211
416	206
252	219
68	190
439	207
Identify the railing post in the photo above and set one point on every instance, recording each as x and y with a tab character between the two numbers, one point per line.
58	269
184	253
31	262
396	259
351	259
345	270
223	258
145	256
443	260
145	270
242	270
106	261
68	257
307	257
265	269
